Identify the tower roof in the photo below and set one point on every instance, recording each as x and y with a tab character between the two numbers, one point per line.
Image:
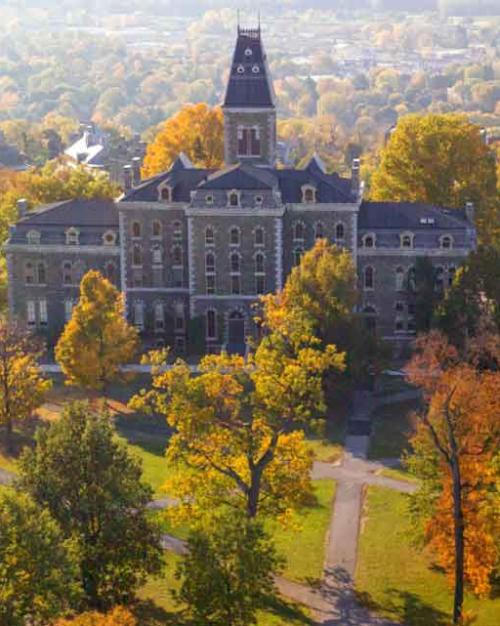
249	82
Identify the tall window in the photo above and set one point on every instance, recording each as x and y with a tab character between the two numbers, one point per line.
260	284
211	324
156	228
110	271
210	283
179	321
68	309
319	230
209	236
234	199
309	195
136	229
177	256
139	315
42	273
412	280
234	236
42	312
259	263
451	275
259	236
298	231
67	273
159	316
235	262
29	273
166	194
400	279
249	141
30	313
72	237
210	263
177	234
157	254
137	255
235	284
339	231
368	277
439	278
297	255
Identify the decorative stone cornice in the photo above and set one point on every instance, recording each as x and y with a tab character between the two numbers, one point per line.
62	249
413	252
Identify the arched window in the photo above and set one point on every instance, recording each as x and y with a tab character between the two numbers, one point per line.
159	316
177	255
156	228
166	194
319	230
298	231
308	195
412	280
157	254
400	279
258	200
210	263
211	324
406	240
234	198
136	255
339	231
29	273
72	237
33	237
446	242
177	234
67	273
235	263
259	263
259	236
209	236
42	273
369	277
110	271
136	229
297	255
234	236
369	241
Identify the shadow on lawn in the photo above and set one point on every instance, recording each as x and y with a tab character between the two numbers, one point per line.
286	610
410	609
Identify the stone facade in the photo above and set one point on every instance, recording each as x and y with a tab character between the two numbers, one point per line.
192	249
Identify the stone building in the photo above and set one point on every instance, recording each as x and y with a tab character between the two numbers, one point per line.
192	249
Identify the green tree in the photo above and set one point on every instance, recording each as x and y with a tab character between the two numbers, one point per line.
22	384
38	571
227	574
86	478
97	340
440	159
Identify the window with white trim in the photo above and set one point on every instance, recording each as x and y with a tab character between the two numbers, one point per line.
259	236
210	283
209	199
136	255
235	263
235	284
157	255
136	229
446	242
67	273
308	194
210	263
166	193
249	143
211	324
109	238
33	237
177	234
260	284
297	255
41	273
179	317
30	313
159	316
400	279
233	198
29	273
258	199
69	305
72	236
369	240
209	236
234	236
138	311
319	230
298	231
42	312
259	263
339	231
156	229
406	240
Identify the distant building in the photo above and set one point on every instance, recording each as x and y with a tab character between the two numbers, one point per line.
10	157
192	249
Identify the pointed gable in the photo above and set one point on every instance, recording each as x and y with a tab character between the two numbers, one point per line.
249	83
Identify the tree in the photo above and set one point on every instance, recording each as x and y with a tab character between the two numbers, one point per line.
197	131
454	452
236	425
97	340
440	159
119	616
37	566
22	385
228	573
85	477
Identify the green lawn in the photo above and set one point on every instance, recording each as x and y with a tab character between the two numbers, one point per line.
397	578
399	473
159	609
304	549
392	426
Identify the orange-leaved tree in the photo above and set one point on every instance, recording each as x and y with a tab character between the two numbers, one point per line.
454	448
119	616
197	130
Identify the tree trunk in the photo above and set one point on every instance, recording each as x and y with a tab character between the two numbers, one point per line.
458	521
253	493
8	436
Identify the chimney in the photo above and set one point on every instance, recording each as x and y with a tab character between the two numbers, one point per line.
355	182
136	170
22	207
469	211
127	177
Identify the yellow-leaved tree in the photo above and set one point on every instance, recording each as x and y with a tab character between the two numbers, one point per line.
119	616
197	130
22	384
237	440
97	340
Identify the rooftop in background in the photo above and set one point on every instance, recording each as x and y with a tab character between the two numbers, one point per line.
10	157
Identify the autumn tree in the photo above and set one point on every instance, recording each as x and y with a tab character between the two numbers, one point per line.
38	572
235	440
97	340
197	130
92	487
118	616
443	160
227	574
454	450
22	384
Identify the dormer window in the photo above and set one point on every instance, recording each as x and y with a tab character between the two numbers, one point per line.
308	194
165	193
233	199
72	237
240	69
259	200
446	242
406	240
33	237
255	69
109	238
248	52
369	241
209	199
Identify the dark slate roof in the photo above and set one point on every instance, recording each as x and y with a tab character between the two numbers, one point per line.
182	181
241	176
409	215
11	158
73	213
249	82
329	187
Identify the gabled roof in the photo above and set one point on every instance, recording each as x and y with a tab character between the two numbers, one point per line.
11	158
409	216
240	176
329	187
73	213
249	82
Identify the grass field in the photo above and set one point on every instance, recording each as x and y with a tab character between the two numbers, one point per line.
400	580
160	609
392	427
